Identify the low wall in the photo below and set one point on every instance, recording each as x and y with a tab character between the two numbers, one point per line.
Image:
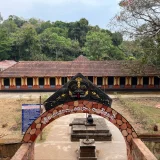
8	148
140	151
25	152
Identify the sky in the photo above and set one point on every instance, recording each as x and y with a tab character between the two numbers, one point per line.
97	12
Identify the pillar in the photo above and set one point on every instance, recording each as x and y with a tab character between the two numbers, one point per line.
139	82
24	83
12	83
95	80
105	82
116	82
47	82
58	82
35	83
151	82
68	79
2	84
128	82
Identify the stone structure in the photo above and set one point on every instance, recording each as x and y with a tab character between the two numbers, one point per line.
87	150
52	75
77	97
98	130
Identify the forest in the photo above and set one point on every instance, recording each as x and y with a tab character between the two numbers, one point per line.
36	40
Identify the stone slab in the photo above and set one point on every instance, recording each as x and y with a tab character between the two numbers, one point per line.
98	130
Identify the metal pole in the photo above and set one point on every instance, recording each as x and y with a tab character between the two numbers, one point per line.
40	114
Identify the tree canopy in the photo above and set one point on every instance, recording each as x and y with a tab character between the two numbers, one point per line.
139	20
35	39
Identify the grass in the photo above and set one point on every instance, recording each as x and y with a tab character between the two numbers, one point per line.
146	115
154	147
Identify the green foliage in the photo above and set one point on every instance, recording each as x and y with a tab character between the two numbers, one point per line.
148	116
5	44
39	40
99	46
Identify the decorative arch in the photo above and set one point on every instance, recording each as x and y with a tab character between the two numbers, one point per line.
82	106
79	95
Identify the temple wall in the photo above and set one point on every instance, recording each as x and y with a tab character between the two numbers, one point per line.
117	84
8	148
139	151
25	152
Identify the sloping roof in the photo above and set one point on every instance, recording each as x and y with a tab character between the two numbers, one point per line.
6	64
81	58
80	65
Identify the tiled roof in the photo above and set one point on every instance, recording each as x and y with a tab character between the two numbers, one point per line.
80	65
6	64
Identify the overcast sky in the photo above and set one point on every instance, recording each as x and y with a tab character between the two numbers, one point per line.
98	12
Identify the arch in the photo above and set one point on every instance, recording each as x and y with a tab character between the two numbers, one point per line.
82	106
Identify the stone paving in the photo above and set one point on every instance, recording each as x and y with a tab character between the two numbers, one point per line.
59	147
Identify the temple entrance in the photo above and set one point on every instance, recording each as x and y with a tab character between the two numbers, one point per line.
80	96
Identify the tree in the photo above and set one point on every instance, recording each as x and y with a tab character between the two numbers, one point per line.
140	21
139	17
25	42
5	44
9	25
97	45
54	45
117	38
78	30
1	18
18	21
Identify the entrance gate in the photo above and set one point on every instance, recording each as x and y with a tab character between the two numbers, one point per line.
79	95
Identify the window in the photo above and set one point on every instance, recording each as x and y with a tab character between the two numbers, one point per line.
99	81
30	82
90	78
6	82
41	82
156	81
122	82
146	80
110	82
18	82
134	82
64	80
52	82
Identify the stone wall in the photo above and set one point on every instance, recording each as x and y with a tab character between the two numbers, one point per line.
25	152
8	148
140	151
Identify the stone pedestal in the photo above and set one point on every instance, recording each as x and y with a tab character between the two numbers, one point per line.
87	151
98	131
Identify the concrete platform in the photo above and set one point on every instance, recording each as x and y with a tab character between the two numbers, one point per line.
98	130
59	147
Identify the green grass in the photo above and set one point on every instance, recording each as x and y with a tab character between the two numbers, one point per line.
148	116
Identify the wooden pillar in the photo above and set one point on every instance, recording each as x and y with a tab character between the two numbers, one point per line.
12	82
105	82
2	84
128	82
68	79
151	82
47	82
116	82
95	80
139	82
24	83
58	82
35	83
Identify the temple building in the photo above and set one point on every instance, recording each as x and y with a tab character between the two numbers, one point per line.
51	75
